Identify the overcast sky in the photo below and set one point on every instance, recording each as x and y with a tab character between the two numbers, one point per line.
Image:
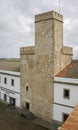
17	23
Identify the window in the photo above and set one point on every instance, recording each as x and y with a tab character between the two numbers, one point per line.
27	106
5	97
65	116
12	82
26	88
5	80
66	93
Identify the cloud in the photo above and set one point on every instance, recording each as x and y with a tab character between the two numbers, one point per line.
17	23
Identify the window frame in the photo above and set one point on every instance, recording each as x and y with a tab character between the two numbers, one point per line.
5	80
27	88
64	93
12	82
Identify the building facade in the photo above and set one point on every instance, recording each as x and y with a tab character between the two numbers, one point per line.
10	87
40	63
65	97
65	91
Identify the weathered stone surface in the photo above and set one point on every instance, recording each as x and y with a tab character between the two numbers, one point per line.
10	64
41	63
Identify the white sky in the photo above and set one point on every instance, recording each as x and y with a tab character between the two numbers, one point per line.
17	23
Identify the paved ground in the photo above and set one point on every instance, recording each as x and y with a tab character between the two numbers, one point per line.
50	125
9	120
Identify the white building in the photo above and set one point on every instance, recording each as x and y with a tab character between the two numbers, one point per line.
65	92
10	87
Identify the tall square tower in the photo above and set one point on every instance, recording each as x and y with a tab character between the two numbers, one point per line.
40	63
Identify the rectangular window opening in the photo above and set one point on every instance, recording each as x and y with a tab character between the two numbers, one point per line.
26	88
12	82
66	93
5	80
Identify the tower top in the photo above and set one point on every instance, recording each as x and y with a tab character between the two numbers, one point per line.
48	15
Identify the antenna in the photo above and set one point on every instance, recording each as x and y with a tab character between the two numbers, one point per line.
59	6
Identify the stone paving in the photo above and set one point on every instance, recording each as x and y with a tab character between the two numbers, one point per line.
10	120
51	126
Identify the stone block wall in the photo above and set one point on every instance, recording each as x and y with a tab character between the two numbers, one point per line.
10	64
40	63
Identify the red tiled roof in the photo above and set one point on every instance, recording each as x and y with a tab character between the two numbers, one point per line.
72	121
71	71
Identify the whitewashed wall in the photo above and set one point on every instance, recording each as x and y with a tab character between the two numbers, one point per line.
62	105
8	89
59	110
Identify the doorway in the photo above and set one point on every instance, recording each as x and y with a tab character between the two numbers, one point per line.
12	101
27	106
65	116
5	97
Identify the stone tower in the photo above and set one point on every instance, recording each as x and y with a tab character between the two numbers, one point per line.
40	63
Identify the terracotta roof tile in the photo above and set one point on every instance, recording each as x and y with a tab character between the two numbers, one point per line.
72	121
71	71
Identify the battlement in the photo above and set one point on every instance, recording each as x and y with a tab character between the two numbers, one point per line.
48	15
27	50
67	50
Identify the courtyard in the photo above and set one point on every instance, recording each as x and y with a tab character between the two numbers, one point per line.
9	120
